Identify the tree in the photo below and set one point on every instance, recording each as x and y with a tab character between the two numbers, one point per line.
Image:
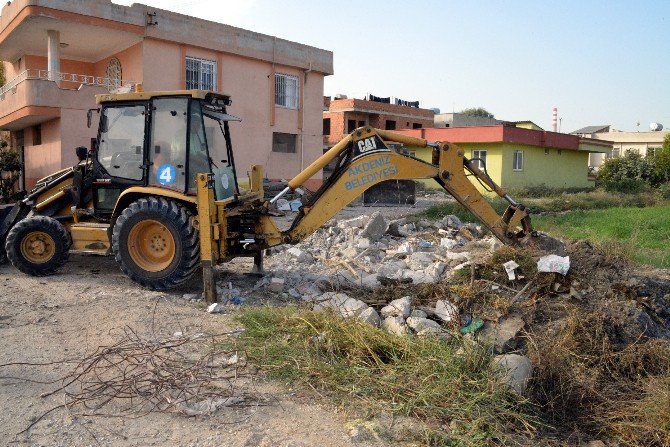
630	173
662	161
477	111
10	166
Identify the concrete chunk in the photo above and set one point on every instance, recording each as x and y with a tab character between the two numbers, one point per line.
376	227
370	316
395	325
418	324
503	335
446	311
400	307
514	370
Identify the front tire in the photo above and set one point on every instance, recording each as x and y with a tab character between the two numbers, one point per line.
155	243
38	245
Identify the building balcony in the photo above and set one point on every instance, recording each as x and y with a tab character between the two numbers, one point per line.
36	96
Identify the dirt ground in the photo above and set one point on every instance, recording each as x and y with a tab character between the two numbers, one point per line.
87	305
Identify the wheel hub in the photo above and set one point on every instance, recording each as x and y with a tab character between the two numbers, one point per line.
151	245
38	247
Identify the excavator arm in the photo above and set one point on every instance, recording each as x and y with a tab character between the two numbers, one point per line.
364	159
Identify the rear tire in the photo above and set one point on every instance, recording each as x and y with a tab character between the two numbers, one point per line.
38	245
155	243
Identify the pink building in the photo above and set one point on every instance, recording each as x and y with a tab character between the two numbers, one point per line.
58	54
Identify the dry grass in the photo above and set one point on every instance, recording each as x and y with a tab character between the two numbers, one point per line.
359	366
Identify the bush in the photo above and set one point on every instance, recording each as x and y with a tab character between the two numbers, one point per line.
631	173
662	161
10	165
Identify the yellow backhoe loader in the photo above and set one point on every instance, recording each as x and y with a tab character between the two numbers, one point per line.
150	194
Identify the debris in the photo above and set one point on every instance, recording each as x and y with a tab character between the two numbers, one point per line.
502	336
276	285
192	296
400	307
370	316
554	263
514	370
299	255
418	324
510	266
446	311
472	326
376	227
418	313
215	308
394	325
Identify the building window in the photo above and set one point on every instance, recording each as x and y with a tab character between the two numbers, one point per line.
284	142
286	90
651	151
479	158
200	74
390	125
417	125
517	162
351	126
326	126
37	135
361	123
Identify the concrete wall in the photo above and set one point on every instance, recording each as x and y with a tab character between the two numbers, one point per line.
557	169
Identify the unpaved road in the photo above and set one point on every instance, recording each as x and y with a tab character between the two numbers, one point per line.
87	305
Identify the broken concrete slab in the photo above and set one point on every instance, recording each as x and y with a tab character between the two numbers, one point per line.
300	255
276	284
400	307
502	336
419	324
514	370
446	311
394	325
370	316
376	227
418	313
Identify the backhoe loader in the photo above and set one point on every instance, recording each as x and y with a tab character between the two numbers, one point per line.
150	194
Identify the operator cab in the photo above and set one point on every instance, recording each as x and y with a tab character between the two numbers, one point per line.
161	140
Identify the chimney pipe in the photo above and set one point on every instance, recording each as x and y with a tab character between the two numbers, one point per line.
554	115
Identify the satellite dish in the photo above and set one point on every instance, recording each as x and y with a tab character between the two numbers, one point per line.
656	127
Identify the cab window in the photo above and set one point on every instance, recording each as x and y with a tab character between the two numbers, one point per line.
198	157
122	141
168	143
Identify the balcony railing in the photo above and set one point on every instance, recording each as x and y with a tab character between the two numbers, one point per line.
75	80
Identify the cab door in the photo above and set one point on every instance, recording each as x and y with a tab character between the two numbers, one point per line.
168	143
120	156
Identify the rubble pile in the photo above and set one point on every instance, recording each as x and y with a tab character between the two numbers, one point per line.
367	250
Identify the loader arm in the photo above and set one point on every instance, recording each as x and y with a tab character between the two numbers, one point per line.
364	160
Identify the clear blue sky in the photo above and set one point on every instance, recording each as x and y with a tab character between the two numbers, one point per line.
599	62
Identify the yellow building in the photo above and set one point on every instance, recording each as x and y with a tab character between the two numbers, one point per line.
517	157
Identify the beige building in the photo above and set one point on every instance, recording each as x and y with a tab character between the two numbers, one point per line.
59	53
644	143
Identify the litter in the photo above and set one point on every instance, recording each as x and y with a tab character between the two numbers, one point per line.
510	266
554	264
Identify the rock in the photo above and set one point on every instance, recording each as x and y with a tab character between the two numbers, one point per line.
191	296
436	270
363	243
503	335
276	285
394	325
397	229
419	324
356	222
404	249
293	293
376	227
418	313
299	255
351	307
400	307
452	221
448	243
514	370
215	308
329	300
418	276
370	316
420	260
446	311
458	257
370	281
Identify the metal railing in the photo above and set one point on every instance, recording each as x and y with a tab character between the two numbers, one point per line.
56	76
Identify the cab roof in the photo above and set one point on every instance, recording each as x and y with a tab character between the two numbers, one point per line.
143	96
